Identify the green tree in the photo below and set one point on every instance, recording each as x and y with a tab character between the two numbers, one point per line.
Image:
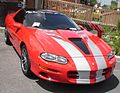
93	2
113	5
88	2
84	2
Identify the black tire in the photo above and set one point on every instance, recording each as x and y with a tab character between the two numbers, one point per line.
6	37
25	62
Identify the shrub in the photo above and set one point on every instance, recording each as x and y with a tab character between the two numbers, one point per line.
112	37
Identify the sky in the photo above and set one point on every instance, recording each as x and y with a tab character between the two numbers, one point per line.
105	2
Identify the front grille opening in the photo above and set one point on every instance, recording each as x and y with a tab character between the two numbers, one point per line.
73	75
107	71
49	69
79	43
53	70
44	74
82	74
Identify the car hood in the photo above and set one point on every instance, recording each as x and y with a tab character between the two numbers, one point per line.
78	43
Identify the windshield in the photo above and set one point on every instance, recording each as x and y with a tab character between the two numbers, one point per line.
50	21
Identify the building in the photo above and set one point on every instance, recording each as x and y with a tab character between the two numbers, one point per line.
7	6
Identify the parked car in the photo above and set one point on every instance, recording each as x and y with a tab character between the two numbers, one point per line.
53	47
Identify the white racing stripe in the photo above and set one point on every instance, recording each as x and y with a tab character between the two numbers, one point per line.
80	62
99	76
101	63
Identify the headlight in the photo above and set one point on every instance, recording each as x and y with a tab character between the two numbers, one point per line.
54	58
111	55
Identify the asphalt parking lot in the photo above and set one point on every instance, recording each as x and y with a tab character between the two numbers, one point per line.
13	81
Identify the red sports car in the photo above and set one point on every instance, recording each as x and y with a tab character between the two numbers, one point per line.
55	48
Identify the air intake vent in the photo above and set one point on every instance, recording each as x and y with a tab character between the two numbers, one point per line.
78	42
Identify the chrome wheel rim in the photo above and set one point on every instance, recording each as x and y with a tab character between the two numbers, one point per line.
24	60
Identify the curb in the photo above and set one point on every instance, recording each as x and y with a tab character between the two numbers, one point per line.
2	29
118	58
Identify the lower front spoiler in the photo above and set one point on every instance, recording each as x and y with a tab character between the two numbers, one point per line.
94	77
90	81
81	77
74	81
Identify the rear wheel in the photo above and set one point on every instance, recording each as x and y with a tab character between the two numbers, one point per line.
25	62
6	37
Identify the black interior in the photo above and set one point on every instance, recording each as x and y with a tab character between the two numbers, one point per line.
20	16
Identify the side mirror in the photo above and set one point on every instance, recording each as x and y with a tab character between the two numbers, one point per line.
17	25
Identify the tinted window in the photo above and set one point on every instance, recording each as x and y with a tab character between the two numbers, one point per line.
50	21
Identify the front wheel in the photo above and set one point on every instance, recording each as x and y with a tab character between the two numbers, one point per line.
6	37
25	62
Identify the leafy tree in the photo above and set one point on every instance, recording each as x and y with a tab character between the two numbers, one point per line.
84	2
93	2
113	5
87	2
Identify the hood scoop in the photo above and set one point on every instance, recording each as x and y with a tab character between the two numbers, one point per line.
79	43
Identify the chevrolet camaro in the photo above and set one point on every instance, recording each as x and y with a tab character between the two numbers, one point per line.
53	47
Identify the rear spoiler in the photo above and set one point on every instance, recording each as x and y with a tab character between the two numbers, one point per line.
98	28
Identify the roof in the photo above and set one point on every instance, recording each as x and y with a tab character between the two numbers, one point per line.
45	11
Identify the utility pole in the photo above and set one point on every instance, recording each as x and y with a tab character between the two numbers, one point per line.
24	3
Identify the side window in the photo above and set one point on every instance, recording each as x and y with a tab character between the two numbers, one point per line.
20	16
28	21
32	20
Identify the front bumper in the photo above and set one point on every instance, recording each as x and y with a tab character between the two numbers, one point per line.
91	77
68	74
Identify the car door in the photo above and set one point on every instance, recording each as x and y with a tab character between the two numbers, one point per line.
15	26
